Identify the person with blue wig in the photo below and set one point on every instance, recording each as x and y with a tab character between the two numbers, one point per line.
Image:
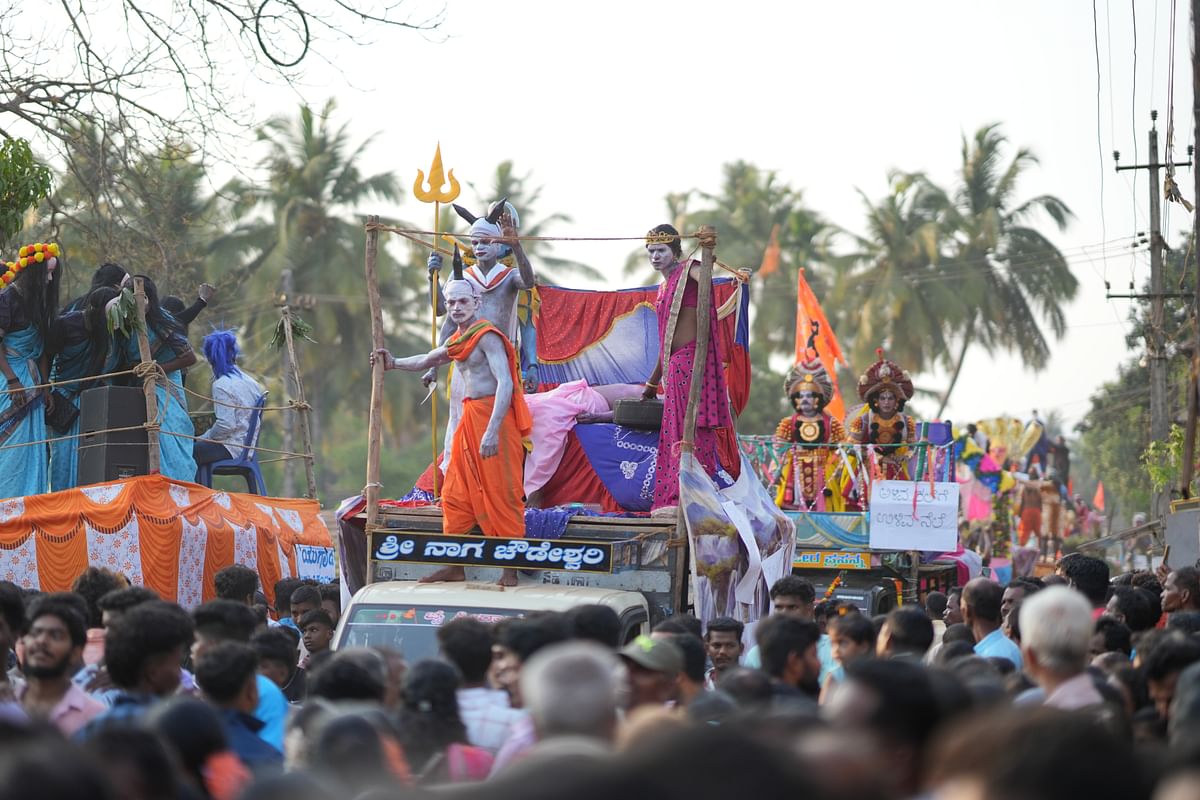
234	396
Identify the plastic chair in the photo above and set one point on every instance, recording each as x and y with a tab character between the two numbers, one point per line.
247	463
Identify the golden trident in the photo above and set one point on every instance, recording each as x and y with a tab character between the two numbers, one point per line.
438	192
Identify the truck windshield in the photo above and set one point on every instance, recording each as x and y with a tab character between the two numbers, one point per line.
410	629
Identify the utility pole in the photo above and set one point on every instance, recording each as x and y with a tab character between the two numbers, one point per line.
1193	393
1156	348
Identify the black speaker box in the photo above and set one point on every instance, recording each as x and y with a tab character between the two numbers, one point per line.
117	455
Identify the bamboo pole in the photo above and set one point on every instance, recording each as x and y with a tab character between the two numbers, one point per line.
684	564
375	414
708	240
302	407
149	380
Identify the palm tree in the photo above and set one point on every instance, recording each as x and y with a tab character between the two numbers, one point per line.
891	290
1014	278
304	217
524	197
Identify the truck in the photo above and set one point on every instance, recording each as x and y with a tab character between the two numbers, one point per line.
629	564
637	566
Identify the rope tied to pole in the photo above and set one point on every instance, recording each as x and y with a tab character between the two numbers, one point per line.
147	369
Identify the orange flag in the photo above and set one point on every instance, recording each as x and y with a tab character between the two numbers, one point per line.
770	262
808	311
1098	500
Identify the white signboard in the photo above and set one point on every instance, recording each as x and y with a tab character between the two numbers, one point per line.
316	563
896	523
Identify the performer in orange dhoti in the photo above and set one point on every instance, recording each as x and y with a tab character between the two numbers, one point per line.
484	479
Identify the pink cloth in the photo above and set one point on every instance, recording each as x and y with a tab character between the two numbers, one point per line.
712	411
553	415
1079	692
93	650
75	710
468	764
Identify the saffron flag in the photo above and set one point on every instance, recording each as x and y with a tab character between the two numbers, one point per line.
808	312
1098	500
771	255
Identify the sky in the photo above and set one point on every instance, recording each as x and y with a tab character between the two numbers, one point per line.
613	105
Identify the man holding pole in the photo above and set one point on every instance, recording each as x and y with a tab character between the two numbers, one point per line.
484	480
498	288
678	318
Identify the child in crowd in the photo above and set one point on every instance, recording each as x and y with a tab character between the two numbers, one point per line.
852	636
316	627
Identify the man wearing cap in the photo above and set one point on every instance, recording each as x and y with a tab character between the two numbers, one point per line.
483	486
654	666
498	287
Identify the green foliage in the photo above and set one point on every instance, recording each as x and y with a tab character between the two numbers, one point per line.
1115	433
1164	459
24	182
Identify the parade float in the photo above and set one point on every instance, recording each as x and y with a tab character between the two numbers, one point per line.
893	500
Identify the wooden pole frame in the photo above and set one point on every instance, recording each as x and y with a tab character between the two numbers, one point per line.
149	381
302	407
684	568
375	414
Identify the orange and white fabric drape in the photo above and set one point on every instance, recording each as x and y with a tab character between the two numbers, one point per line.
167	535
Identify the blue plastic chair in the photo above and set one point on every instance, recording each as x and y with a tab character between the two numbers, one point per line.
247	463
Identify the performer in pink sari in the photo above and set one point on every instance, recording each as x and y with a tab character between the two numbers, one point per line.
677	297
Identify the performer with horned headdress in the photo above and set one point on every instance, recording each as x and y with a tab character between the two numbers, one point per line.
498	288
808	466
484	478
885	388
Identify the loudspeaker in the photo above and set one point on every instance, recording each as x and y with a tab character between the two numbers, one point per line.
112	456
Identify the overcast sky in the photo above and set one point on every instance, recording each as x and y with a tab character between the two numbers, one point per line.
613	105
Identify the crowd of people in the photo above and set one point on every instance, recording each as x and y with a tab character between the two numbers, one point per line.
88	343
1074	685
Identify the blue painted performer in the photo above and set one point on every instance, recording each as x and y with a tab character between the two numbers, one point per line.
27	305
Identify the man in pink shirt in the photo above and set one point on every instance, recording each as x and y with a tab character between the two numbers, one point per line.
1056	632
54	637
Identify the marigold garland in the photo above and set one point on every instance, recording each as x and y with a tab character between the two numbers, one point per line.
29	254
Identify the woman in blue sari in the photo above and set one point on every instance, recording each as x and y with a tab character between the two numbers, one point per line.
27	306
80	347
171	350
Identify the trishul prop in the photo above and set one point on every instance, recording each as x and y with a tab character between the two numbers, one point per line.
437	191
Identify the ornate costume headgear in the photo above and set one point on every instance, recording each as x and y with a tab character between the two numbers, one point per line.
488	225
665	234
27	255
458	283
884	374
809	376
